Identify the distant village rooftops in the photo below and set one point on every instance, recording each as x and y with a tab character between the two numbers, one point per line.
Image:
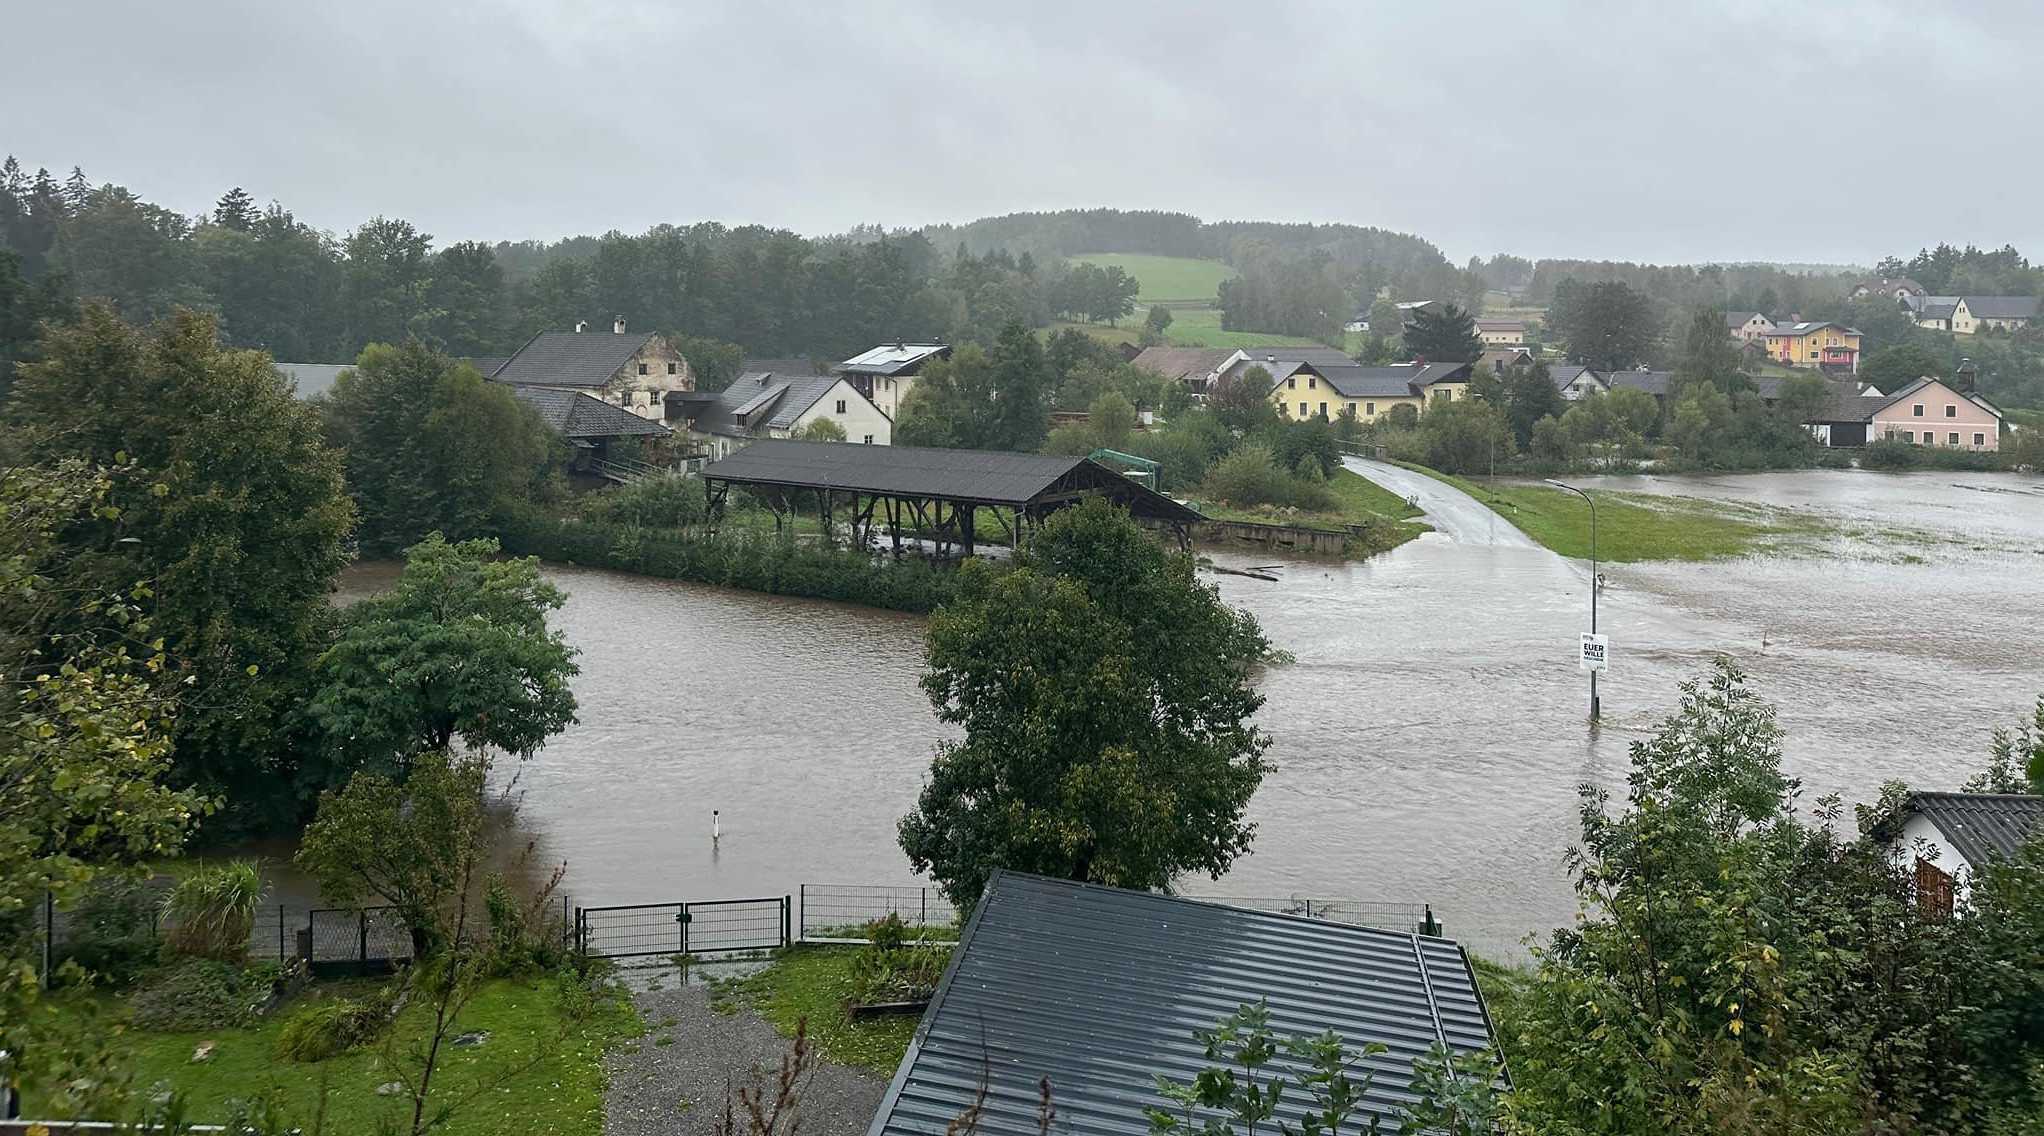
765	401
580	417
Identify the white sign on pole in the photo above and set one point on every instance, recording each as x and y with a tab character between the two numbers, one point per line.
1596	653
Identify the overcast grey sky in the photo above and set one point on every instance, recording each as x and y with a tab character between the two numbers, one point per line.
1663	130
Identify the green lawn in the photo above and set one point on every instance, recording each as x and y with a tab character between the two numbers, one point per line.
1201	327
1634	526
557	1087
1165	278
814	982
1361	501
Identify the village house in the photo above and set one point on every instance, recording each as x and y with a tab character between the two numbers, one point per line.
888	372
636	371
1927	412
776	404
1194	368
1310	390
596	431
1975	314
1933	312
1901	288
1499	358
1747	326
1574	380
1946	838
1831	346
1501	333
1080	997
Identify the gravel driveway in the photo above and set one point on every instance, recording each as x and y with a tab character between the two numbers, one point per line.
679	1088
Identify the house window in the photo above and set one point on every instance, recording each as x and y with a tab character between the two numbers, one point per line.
1302	410
1933	889
644	369
671	368
1952	439
1951	411
1369	408
1292	383
1909	435
1312	383
840	406
1979	440
869	440
1917	410
1323	410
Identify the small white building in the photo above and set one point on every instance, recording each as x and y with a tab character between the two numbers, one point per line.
1944	838
770	404
888	372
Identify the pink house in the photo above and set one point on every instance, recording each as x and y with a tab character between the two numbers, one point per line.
1929	413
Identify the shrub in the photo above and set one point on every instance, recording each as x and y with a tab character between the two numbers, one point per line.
200	994
330	1027
891	969
111	930
668	502
1250	476
211	910
522	939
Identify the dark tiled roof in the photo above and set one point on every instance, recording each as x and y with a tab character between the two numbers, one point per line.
769	400
984	476
1938	309
1566	374
1100	990
1983	826
1179	362
573	414
1653	382
1400	379
570	359
488	364
1737	320
893	359
2002	307
1500	325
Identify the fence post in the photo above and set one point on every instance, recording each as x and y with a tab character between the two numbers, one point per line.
683	920
362	940
1309	909
581	941
280	934
787	905
564	919
923	920
803	891
1430	925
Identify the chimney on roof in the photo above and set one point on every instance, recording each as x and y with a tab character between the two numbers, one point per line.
617	326
1270	358
581	326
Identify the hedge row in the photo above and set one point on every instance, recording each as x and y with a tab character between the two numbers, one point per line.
759	562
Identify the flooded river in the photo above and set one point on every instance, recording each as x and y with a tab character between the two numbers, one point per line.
1429	738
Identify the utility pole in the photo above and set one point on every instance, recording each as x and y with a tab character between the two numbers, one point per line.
1596	710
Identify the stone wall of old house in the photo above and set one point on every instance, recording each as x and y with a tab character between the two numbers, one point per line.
641	385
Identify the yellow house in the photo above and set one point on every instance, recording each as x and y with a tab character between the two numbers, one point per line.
1307	390
1829	345
1502	333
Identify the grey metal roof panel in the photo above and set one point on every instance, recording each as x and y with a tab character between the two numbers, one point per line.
1653	382
1100	990
2002	307
1983	826
570	358
573	415
487	364
1317	356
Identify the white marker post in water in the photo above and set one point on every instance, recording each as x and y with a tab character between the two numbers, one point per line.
716	827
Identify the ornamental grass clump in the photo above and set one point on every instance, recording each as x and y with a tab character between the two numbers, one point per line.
212	910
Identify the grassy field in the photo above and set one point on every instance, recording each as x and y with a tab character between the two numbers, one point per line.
1165	278
1634	526
814	983
1361	500
562	1093
1201	327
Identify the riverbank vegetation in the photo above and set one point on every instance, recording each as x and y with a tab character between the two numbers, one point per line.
1635	526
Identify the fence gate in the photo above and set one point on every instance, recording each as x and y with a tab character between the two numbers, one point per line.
703	927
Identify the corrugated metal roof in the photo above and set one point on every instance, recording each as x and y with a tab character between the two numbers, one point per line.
570	358
1100	990
572	414
988	477
1983	826
892	358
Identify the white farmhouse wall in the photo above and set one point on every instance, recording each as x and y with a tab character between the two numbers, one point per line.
1922	839
859	418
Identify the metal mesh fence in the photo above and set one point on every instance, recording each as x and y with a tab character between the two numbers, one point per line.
640	929
840	912
736	925
367	939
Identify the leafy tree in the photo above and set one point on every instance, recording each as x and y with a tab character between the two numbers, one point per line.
466	300
1242	402
1608	325
1529	396
1444	336
1111	417
986	400
1385	319
1103	691
1708	352
85	737
1892	368
237	515
1156	323
1802	398
1465	436
458	648
387	277
431	446
820	430
1284	293
401	841
236	210
714	362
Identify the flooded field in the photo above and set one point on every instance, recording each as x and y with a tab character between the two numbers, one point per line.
1430	736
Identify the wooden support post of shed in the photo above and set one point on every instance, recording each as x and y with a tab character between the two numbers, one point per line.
965	516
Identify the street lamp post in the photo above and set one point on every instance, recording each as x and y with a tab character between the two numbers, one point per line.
1595	709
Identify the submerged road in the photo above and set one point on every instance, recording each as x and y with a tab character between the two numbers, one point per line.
1453	513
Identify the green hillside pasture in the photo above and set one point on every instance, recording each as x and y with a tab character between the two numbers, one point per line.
1166	279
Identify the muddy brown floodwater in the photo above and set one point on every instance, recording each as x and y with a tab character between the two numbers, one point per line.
1430	737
